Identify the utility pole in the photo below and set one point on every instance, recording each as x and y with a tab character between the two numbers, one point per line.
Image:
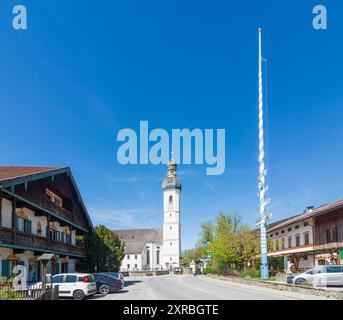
262	187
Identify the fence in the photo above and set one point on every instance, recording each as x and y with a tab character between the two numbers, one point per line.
8	292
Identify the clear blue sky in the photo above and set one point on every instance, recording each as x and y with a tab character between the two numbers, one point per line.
86	69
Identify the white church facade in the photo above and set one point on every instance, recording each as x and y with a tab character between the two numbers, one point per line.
156	248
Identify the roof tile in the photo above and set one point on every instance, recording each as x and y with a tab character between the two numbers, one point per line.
13	172
135	239
317	211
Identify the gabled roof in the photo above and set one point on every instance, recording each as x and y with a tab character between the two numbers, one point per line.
279	222
14	175
309	214
135	239
14	172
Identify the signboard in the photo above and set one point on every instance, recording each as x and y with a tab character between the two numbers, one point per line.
341	254
208	255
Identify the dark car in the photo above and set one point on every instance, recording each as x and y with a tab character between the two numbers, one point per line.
106	284
116	275
178	270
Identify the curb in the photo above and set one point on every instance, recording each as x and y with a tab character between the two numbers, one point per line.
282	286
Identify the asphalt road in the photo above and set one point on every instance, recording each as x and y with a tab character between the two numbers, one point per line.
189	287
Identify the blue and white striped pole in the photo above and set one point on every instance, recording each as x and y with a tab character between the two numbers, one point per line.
262	170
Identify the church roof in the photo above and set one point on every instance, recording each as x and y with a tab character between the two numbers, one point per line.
135	239
171	183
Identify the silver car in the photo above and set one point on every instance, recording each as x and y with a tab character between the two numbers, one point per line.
331	275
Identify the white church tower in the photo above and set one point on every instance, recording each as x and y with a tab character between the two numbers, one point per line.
171	218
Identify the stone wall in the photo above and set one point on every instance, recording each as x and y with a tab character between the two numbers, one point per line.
284	286
144	273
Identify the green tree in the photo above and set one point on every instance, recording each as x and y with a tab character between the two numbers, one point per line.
190	255
224	245
105	250
206	234
234	245
249	246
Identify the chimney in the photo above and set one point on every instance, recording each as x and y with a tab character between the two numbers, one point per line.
309	208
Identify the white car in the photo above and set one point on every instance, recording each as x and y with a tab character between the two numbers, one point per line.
76	285
331	275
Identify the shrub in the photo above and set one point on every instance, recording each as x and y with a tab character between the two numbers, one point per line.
3	281
250	273
210	270
7	293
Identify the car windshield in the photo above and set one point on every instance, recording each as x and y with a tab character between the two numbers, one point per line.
316	270
113	274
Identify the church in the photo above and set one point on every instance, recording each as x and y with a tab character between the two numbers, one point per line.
157	248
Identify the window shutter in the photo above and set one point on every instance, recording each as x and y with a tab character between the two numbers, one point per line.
58	238
17	223
62	237
29	226
47	232
5	268
57	268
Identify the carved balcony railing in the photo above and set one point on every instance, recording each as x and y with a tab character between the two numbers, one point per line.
64	213
22	239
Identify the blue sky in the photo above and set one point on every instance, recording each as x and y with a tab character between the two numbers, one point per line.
86	69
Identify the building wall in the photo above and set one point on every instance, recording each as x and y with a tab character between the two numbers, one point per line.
7	220
4	253
141	259
132	260
27	256
72	265
317	228
305	262
171	228
153	248
284	233
332	222
61	183
6	213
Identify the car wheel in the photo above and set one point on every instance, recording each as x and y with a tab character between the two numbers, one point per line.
104	289
78	295
300	281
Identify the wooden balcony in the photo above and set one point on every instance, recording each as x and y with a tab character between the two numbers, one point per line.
64	213
37	243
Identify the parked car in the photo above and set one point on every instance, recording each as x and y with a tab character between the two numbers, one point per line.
331	275
76	285
178	270
290	278
106	284
116	275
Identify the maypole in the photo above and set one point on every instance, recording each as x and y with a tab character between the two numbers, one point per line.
262	187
